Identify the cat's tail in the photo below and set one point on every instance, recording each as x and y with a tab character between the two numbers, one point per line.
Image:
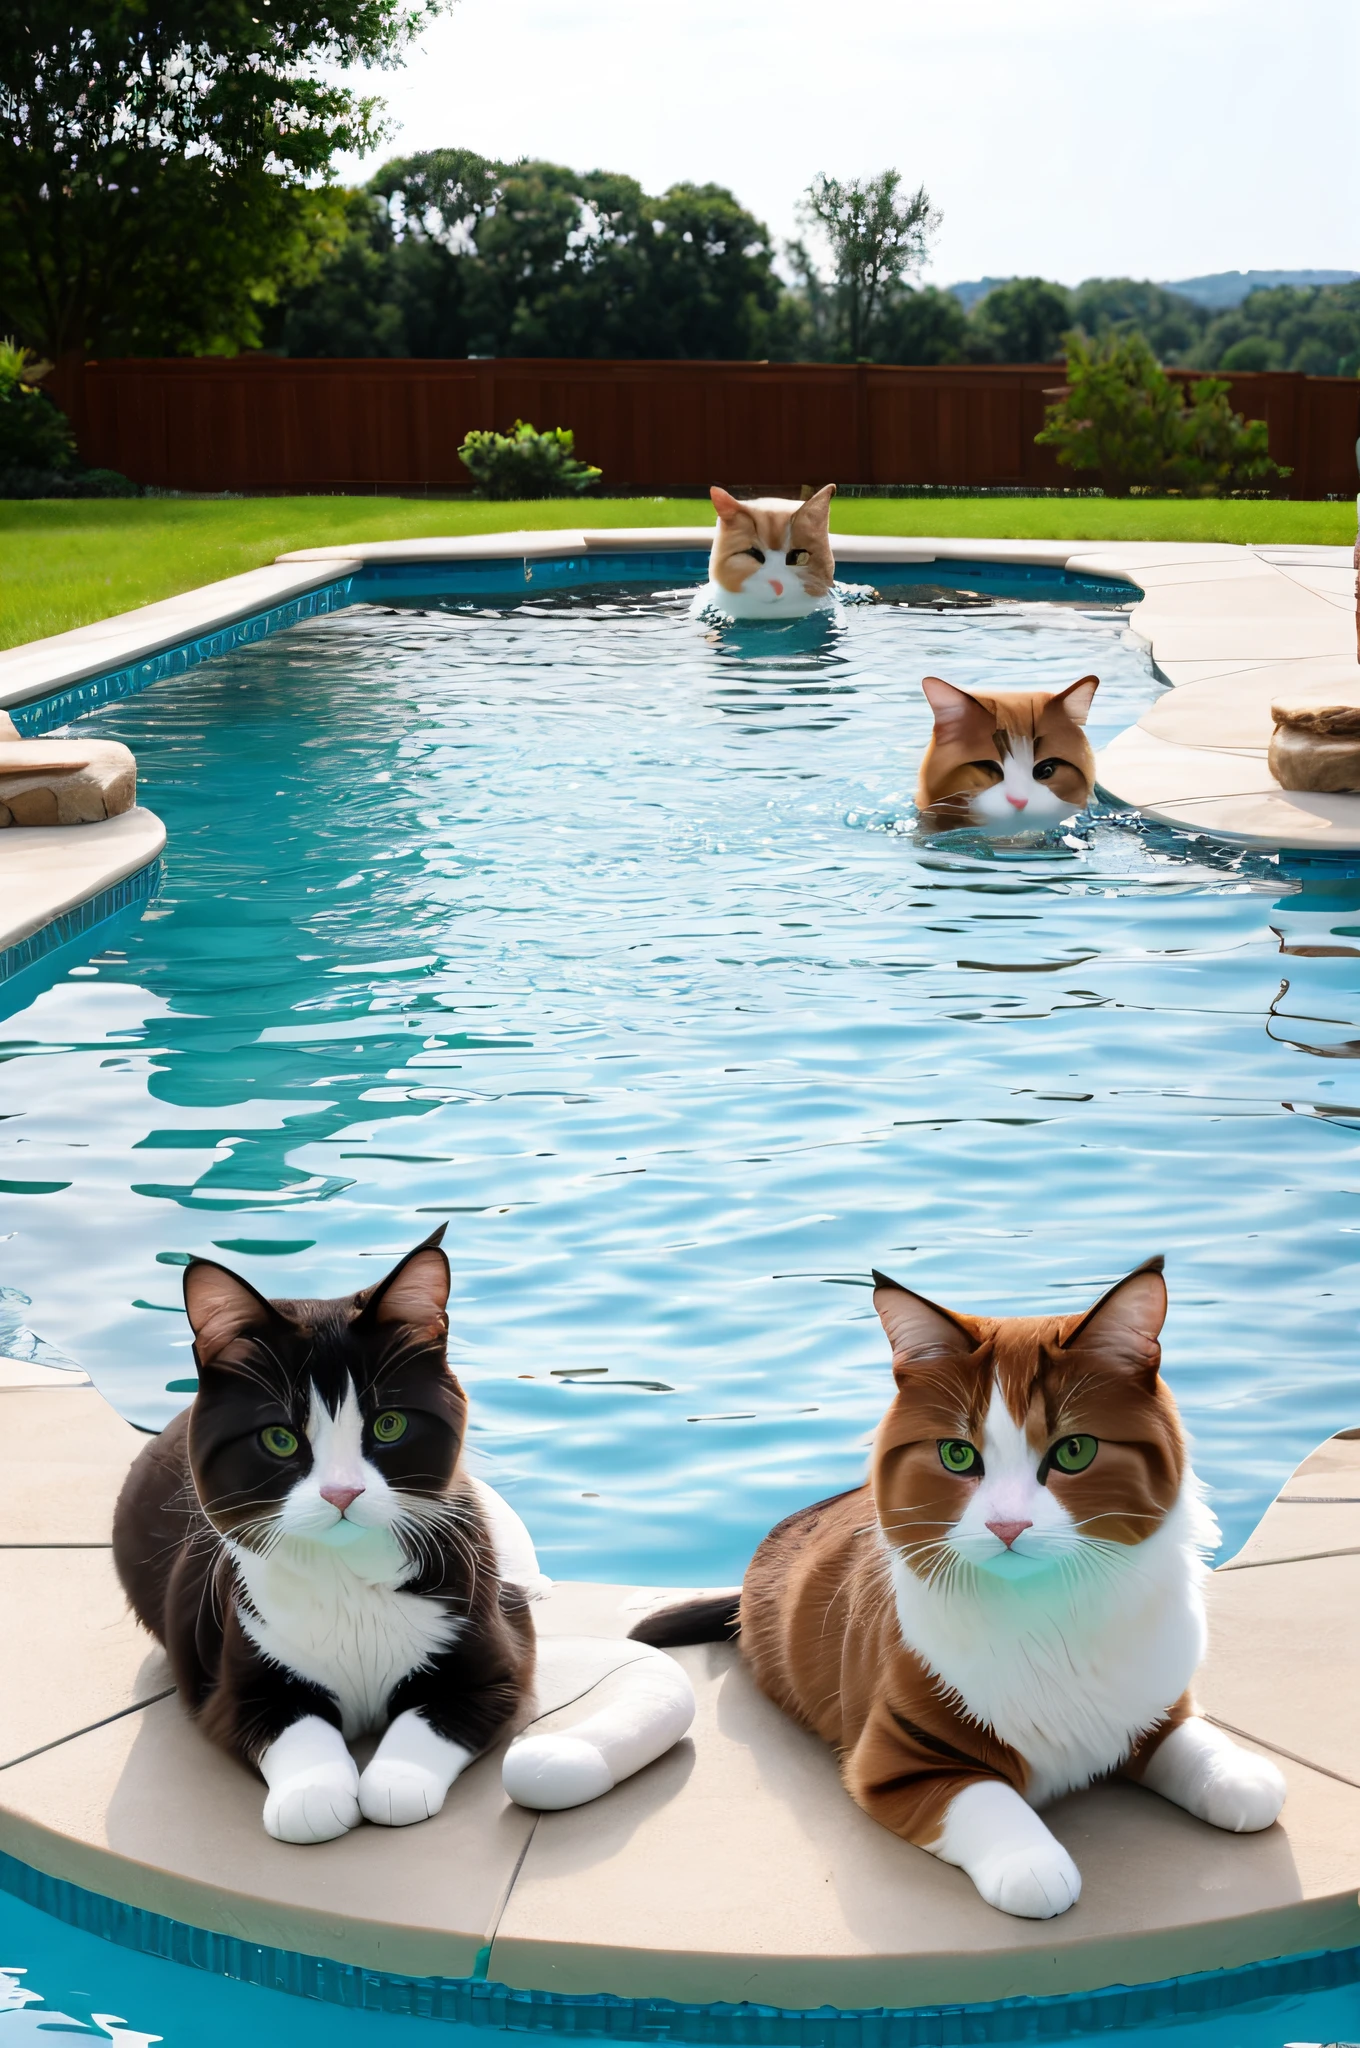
707	1618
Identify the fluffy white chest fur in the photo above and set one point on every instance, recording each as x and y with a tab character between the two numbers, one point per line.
341	1620
1072	1668
757	600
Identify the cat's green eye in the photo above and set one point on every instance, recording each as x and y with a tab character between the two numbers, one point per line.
389	1427
960	1458
993	770
795	557
1045	771
1074	1453
278	1441
759	553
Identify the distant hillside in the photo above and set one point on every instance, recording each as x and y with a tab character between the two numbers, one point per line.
1219	292
968	295
1226	288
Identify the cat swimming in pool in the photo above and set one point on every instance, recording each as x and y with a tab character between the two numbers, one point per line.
309	1546
1012	1606
771	557
1008	762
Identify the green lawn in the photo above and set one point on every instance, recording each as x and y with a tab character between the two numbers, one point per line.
64	563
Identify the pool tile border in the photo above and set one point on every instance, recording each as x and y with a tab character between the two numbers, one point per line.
479	2001
42	713
81	921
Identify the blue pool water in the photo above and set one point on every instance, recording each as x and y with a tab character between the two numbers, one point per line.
59	1983
613	944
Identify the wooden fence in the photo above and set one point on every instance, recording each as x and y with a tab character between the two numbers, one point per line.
266	423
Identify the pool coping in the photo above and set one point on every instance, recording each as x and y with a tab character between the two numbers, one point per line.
733	1873
64	880
1228	644
1287	617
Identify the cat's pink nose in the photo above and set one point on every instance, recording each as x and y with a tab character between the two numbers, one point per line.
341	1496
1018	801
777	588
1006	1532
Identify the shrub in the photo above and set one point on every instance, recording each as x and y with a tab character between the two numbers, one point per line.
37	448
1121	414
526	464
1219	450
34	433
20	482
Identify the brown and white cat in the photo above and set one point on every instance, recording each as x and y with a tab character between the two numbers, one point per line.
1009	762
1012	1606
771	557
309	1546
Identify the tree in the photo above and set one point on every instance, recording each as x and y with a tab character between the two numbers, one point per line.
709	271
1022	321
923	326
1312	328
877	237
158	160
460	255
350	305
1123	416
1172	324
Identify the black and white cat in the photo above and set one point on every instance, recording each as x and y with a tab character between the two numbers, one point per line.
308	1546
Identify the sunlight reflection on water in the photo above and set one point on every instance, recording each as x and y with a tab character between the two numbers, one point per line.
614	944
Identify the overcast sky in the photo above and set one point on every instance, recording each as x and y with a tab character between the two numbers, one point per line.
1067	138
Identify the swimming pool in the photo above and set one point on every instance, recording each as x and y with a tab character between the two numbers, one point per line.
543	911
614	943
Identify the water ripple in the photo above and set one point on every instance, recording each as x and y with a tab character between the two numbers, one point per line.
616	945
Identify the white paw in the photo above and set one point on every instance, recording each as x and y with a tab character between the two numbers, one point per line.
1202	1769
397	1793
1243	1793
1035	1881
316	1805
549	1772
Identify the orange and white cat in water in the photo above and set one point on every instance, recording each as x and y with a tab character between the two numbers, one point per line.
1012	1606
1009	762
771	557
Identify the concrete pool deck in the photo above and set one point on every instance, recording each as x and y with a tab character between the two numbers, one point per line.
735	1868
1230	637
1226	625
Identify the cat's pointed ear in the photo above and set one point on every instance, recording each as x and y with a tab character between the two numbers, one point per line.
1077	698
1126	1322
953	708
416	1291
724	504
815	512
221	1307
916	1328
